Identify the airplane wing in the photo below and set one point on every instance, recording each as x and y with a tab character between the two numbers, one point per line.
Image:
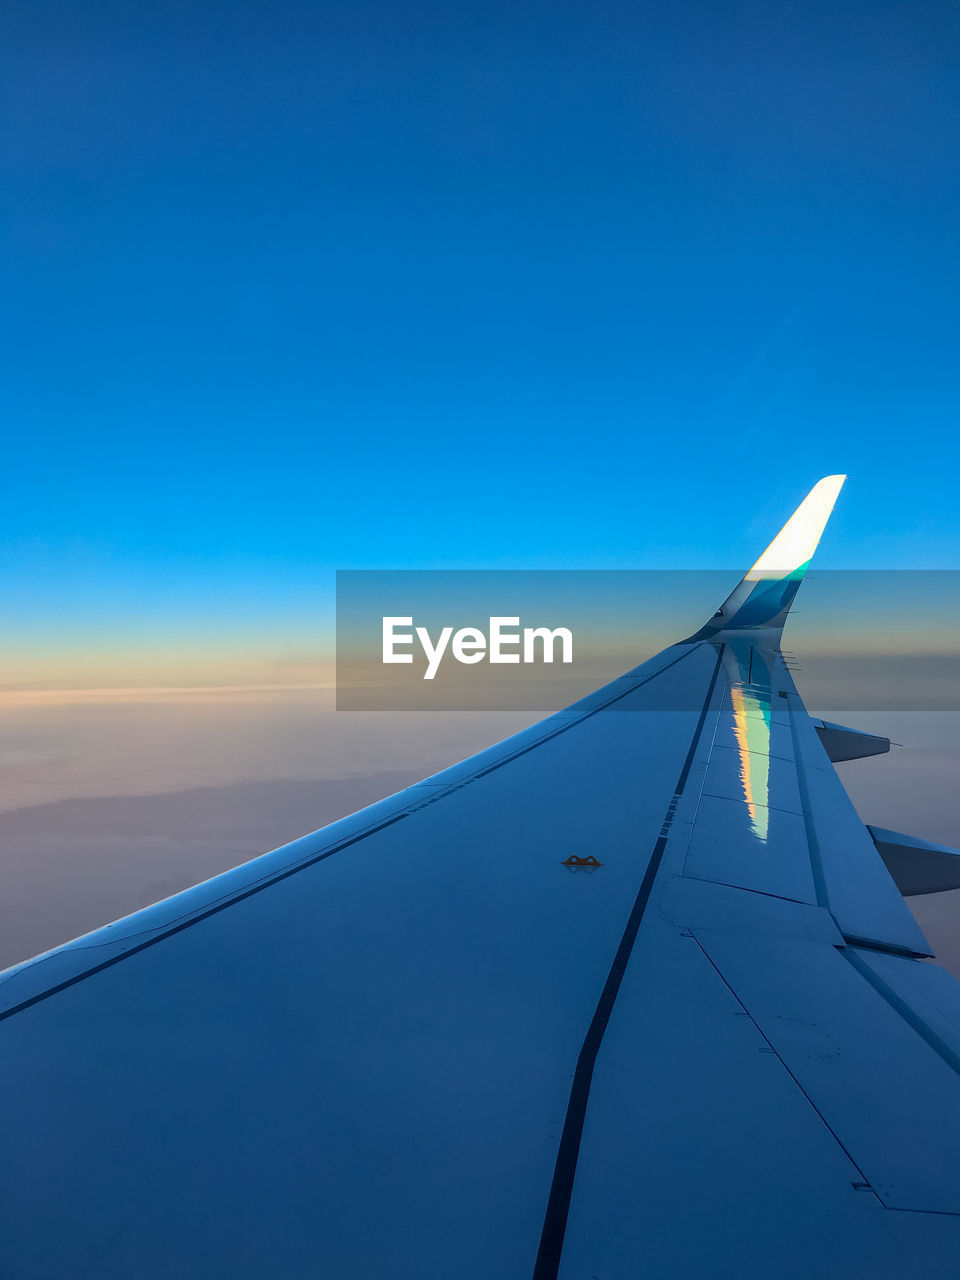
632	993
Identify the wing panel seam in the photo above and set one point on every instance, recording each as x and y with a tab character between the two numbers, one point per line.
557	1211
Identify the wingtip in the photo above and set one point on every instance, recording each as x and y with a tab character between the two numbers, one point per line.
762	599
826	485
796	542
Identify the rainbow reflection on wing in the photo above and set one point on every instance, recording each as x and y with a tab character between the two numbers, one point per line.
749	680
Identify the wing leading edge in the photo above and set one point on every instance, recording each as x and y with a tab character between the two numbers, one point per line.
630	991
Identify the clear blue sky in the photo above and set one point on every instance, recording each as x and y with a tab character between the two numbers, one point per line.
296	286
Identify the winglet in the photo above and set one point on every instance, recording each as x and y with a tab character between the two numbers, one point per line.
762	599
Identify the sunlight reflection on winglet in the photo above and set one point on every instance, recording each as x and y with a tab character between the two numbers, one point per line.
797	540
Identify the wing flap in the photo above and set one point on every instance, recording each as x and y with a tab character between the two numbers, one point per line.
891	1099
670	1157
854	882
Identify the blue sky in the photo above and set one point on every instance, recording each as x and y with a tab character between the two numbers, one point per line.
297	286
